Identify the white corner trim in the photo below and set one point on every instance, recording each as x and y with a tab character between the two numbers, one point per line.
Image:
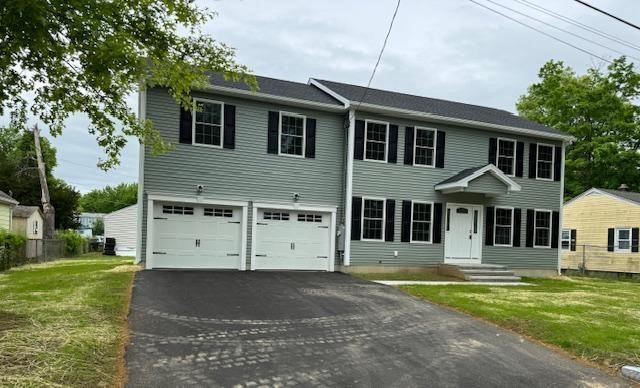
348	207
142	115
561	211
489	168
343	100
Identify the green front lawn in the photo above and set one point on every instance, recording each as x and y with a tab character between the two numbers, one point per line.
64	323
595	319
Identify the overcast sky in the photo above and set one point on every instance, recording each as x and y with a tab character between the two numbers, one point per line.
445	49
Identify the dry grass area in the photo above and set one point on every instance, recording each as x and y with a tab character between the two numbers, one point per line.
596	319
63	323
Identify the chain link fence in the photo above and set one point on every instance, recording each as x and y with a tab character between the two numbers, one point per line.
614	260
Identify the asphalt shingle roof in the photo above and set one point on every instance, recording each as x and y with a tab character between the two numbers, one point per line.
24	211
4	197
628	195
280	88
461	175
435	106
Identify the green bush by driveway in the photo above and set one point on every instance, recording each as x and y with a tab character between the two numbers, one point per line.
63	323
595	319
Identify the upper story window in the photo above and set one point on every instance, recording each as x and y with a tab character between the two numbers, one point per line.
292	134
503	226
623	240
376	140
506	156
566	239
542	229
373	219
207	123
544	166
421	222
425	147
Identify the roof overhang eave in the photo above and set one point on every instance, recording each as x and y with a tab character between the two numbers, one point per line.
462	184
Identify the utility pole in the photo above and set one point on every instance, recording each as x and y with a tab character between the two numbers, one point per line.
47	208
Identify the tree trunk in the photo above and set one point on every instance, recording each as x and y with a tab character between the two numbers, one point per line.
47	209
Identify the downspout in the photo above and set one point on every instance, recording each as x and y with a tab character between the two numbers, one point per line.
349	187
561	209
142	116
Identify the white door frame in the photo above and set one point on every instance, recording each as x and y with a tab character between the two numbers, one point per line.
151	198
481	231
295	207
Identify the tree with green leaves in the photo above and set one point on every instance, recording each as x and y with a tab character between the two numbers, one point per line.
599	109
109	199
89	57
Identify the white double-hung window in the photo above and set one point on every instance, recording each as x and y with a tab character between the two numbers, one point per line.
373	217
542	229
506	156
207	123
292	134
544	166
425	147
623	240
376	140
503	235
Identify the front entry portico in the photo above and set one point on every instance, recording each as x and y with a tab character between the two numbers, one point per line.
463	234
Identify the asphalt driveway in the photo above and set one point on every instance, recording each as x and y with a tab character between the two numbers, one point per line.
250	329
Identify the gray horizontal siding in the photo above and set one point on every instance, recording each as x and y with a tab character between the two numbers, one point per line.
465	148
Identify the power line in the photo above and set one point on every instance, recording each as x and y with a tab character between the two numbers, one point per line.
540	31
608	14
85	166
384	45
562	29
578	24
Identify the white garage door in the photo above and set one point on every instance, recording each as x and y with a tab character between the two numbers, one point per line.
196	236
292	240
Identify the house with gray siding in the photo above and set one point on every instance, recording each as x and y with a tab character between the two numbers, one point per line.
330	176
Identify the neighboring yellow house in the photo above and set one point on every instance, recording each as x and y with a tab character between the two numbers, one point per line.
600	231
28	222
6	210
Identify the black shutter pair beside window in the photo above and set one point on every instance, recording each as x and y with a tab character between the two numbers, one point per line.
356	219
405	233
490	223
555	228
519	156
409	142
228	127
635	235
273	129
533	162
360	141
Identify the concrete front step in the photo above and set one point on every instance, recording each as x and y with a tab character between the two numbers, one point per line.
493	279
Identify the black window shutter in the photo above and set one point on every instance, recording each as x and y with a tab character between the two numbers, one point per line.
358	151
229	126
272	134
573	240
393	144
634	239
555	228
389	222
440	144
493	149
405	233
519	159
310	141
437	223
557	165
488	239
186	126
356	218
533	159
531	214
517	223
409	133
610	239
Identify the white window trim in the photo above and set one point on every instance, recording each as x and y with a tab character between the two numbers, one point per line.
562	239
193	122
553	160
304	133
411	240
495	226
515	154
386	142
384	219
616	241
535	226
415	146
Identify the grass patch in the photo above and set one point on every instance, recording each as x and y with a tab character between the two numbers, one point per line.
595	319
405	276
62	323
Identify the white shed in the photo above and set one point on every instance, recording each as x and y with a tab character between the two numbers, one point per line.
121	225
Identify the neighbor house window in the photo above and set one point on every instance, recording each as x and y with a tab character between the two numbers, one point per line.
542	229
373	219
506	156
425	147
292	132
566	239
207	123
421	221
503	226
623	240
376	140
35	227
544	169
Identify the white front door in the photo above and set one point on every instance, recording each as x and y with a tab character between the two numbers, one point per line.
463	234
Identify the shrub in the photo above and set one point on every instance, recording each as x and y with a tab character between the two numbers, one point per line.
73	241
9	245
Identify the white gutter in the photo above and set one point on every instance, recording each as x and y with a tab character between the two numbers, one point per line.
349	187
560	217
142	115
